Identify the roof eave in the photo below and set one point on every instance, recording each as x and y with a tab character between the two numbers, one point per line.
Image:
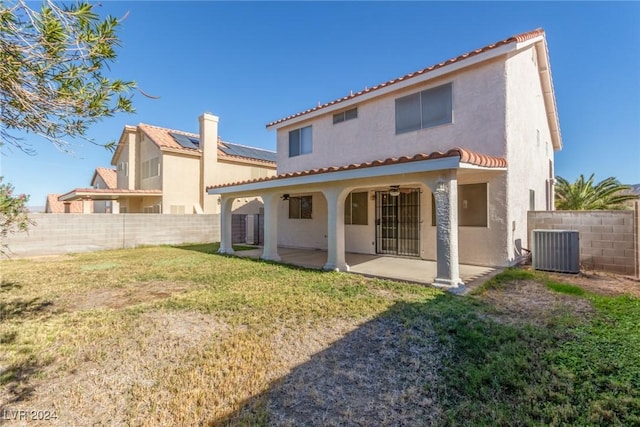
402	84
549	96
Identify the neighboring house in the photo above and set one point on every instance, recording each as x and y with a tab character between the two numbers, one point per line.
160	170
53	205
441	164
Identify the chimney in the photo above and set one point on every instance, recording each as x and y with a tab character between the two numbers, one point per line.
208	161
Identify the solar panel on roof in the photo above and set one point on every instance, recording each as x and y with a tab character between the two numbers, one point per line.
186	141
250	152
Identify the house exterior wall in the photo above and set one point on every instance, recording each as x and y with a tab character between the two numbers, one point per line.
148	150
304	233
123	179
529	148
478	124
180	182
226	171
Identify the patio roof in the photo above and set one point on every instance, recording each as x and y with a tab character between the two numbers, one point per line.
455	158
105	194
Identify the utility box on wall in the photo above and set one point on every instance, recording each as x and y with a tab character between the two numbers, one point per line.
556	250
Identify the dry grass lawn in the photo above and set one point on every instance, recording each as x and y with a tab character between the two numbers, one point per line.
179	336
172	336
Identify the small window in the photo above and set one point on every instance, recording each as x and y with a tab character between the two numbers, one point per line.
300	207
532	200
429	108
345	115
300	141
356	209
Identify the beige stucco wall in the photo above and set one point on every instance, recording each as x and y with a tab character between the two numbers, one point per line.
479	103
478	124
123	179
304	233
148	150
528	155
180	182
477	245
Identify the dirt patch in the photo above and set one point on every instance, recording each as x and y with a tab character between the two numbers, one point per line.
601	283
530	301
131	294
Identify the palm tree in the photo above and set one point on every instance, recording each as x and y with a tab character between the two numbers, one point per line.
583	195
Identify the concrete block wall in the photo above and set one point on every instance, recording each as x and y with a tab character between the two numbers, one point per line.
66	233
608	239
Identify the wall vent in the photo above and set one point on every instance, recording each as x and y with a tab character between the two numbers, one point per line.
556	250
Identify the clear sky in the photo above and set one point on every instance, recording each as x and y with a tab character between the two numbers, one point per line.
252	63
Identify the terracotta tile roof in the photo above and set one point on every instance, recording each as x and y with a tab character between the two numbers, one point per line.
56	206
111	191
108	175
466	156
163	139
514	39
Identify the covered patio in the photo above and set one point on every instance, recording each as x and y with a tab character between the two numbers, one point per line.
435	174
413	270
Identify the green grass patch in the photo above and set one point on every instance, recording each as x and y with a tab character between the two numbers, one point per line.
573	371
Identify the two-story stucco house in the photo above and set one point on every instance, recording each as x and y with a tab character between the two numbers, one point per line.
160	170
441	164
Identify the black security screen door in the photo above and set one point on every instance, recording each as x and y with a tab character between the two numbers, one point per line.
398	223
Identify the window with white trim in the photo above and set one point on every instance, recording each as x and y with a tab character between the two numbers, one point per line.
300	141
429	108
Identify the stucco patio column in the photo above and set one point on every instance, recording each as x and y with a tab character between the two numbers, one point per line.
445	192
226	245
335	229
115	206
270	248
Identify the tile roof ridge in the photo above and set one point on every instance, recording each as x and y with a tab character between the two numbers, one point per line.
513	39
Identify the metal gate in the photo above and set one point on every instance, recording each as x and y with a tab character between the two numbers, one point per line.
238	228
398	222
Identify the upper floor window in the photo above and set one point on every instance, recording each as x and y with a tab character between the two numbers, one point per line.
124	167
431	107
151	168
300	141
345	115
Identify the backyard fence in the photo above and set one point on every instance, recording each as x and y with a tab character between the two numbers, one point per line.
608	239
66	233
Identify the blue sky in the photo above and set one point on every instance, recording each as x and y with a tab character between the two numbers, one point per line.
252	63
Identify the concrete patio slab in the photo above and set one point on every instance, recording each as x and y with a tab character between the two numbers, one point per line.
387	267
